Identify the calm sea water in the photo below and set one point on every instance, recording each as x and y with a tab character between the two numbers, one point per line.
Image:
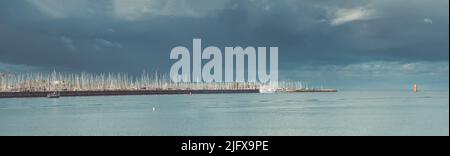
343	113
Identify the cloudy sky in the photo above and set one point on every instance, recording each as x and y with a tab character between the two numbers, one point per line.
344	44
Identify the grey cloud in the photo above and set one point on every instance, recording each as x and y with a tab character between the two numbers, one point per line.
385	74
139	35
106	43
69	42
342	16
7	68
125	9
428	20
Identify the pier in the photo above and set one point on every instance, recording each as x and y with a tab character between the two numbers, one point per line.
123	92
312	91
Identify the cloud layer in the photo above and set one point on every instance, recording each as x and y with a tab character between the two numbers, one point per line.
342	16
135	35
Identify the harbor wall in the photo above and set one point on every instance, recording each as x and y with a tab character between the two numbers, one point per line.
124	92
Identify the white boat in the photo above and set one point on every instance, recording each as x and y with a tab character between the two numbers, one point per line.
267	89
53	95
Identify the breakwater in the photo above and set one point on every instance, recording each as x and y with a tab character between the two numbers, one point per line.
315	91
123	92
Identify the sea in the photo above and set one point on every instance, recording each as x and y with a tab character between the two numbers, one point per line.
347	113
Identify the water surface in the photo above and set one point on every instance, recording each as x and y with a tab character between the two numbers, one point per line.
342	113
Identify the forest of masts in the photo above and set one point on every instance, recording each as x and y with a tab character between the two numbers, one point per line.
54	81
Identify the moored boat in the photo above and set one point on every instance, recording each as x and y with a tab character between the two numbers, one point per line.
53	95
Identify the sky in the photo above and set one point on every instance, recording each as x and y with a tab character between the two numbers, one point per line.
352	44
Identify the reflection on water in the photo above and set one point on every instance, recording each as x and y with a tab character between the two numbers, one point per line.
343	113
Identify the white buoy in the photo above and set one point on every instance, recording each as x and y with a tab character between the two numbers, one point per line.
154	108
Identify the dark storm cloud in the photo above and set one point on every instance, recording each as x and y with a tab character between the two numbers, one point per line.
129	36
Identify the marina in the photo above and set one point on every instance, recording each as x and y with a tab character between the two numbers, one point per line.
55	85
